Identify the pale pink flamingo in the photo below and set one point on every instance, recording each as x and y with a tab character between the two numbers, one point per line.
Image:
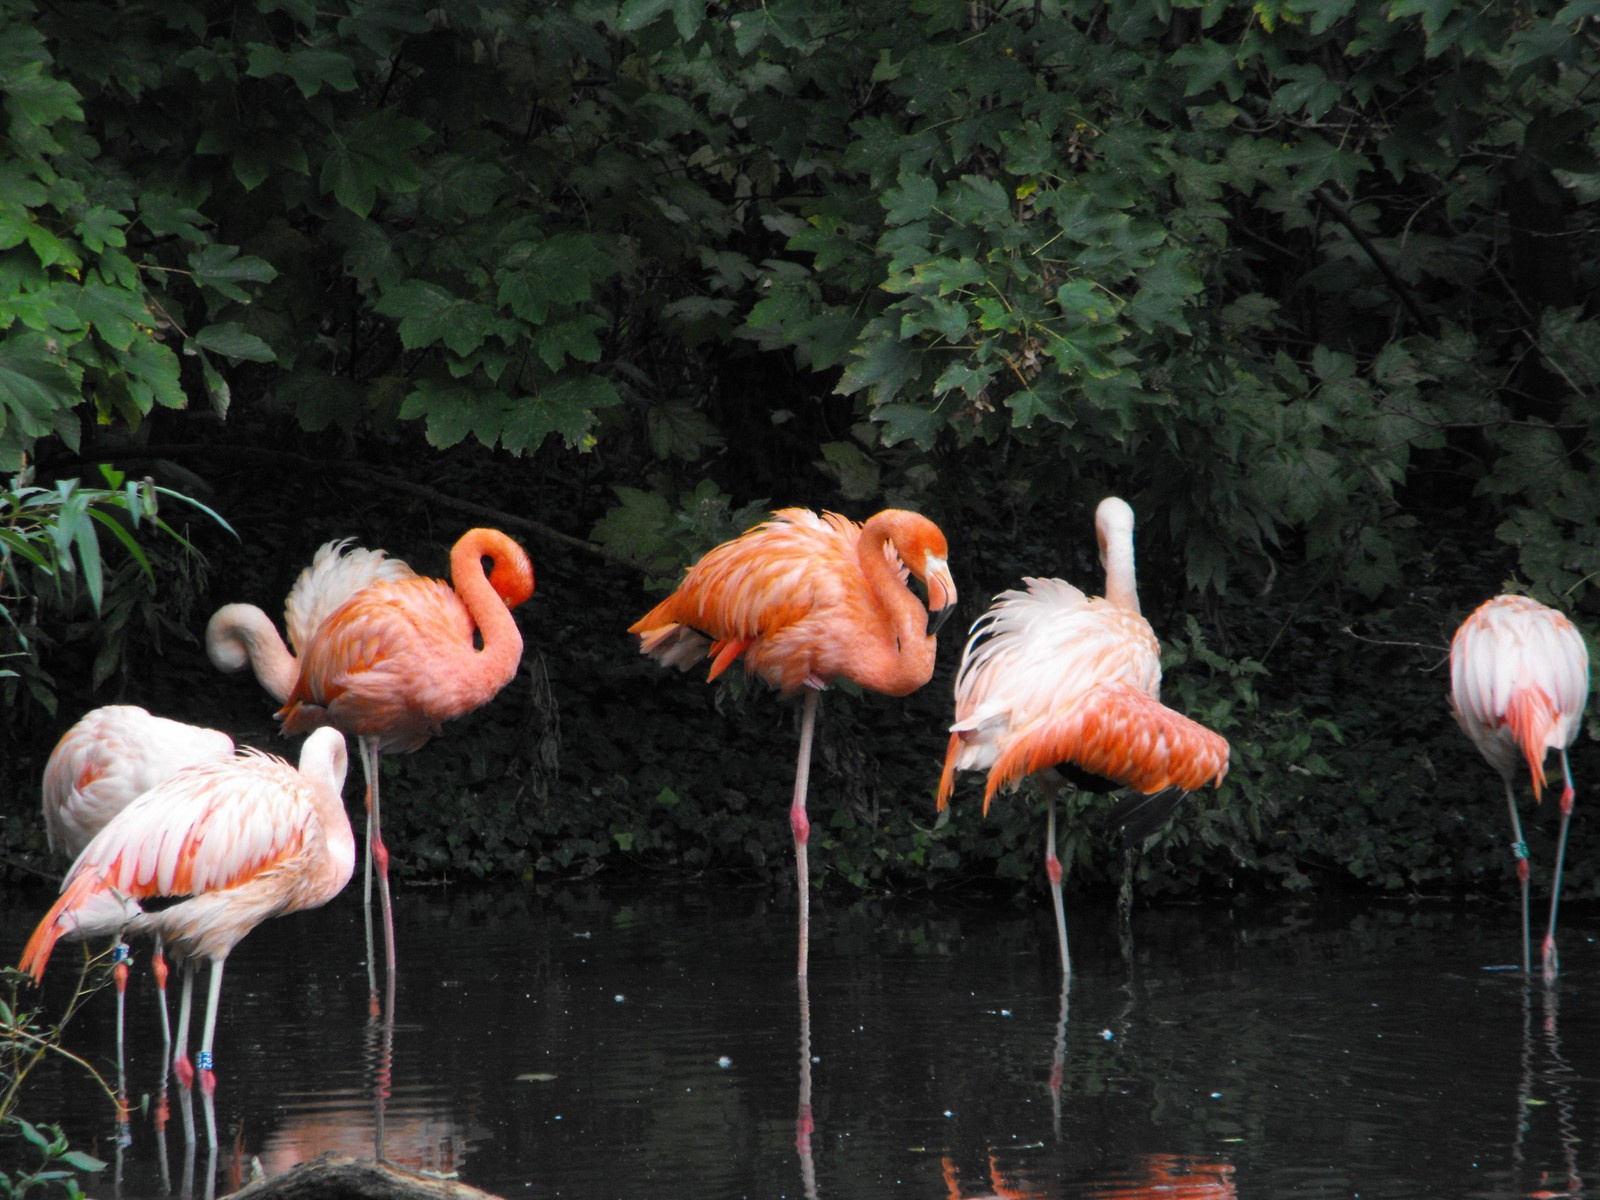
804	600
399	658
108	758
1519	680
1066	685
238	840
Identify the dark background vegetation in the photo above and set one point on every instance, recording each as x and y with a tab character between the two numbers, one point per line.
1311	283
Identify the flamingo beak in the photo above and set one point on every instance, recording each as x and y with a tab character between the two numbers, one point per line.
941	593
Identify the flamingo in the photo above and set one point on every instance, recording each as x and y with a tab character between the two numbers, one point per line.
241	635
804	600
1519	680
1067	686
398	658
112	755
234	842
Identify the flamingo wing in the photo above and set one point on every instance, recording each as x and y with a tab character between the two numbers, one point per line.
210	827
337	572
1036	652
1121	734
359	672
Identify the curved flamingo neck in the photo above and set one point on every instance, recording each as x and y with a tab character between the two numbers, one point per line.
240	635
1114	530
324	761
488	598
903	663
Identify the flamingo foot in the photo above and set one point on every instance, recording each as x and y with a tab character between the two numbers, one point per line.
1552	961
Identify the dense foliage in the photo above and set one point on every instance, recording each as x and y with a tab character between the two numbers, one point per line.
1311	282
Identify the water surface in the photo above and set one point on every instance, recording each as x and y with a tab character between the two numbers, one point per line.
592	1042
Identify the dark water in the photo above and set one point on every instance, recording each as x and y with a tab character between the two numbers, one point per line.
591	1042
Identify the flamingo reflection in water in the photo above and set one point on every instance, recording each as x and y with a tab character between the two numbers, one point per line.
1155	1177
1553	1085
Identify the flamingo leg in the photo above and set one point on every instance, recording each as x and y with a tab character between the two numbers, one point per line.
181	1067
158	968
378	851
120	956
208	1077
1520	849
1052	869
801	824
1552	964
366	904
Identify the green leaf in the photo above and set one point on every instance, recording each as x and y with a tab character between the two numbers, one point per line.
373	156
882	367
636	14
32	385
100	227
39	99
566	406
858	477
223	268
574	338
231	341
310	68
560	271
1208	63
429	315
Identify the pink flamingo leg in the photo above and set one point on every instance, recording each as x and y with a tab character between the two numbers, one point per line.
801	825
1552	964
181	1067
120	956
1520	849
208	1078
158	968
366	905
378	852
1052	869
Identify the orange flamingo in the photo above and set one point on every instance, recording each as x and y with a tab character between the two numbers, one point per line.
241	840
398	659
1519	680
241	635
111	756
1059	683
804	600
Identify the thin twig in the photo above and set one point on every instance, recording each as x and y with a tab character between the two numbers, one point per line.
1396	284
